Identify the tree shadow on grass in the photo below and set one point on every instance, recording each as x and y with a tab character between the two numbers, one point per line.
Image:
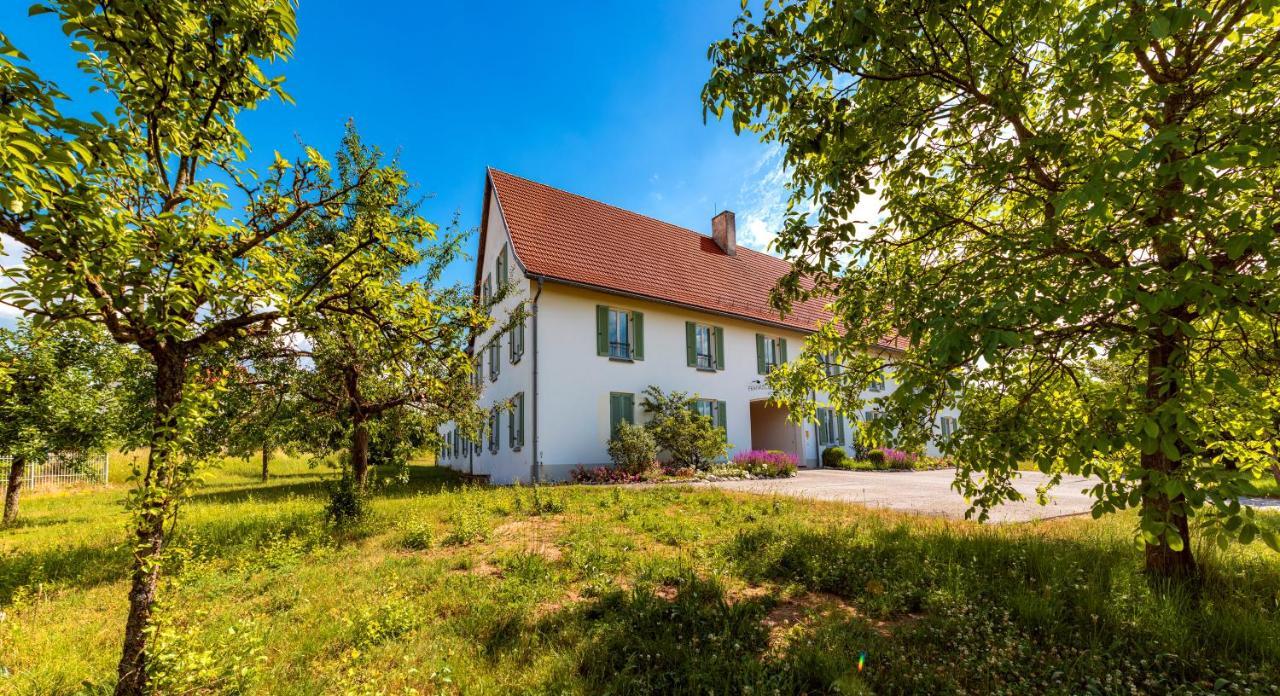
1037	614
76	566
422	480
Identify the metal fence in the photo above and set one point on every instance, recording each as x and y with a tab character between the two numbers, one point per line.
61	468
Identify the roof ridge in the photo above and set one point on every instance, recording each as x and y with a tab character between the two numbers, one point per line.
628	211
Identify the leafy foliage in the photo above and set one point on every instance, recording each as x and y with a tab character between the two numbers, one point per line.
633	448
1060	181
691	439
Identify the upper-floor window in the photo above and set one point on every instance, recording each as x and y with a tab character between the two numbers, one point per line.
495	364
517	341
486	291
877	383
500	266
831	364
619	333
515	422
477	370
771	352
704	346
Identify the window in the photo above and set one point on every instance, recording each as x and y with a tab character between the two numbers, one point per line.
830	364
877	383
486	291
477	371
771	352
495	365
704	346
457	444
830	427
517	341
622	407
711	409
515	422
500	267
493	429
947	426
619	333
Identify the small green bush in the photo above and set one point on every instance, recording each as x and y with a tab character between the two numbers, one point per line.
876	458
633	449
467	526
348	503
691	439
416	535
835	458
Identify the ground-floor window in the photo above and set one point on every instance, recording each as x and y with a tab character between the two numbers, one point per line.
830	427
712	409
622	407
493	429
946	427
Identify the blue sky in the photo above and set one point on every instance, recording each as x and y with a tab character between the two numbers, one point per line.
601	99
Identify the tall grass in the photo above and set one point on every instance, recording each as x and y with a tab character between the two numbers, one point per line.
450	589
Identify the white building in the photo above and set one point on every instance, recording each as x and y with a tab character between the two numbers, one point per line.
615	302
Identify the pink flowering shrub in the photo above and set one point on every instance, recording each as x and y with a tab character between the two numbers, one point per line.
898	459
767	463
604	474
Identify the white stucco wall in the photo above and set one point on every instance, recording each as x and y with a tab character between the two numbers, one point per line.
506	465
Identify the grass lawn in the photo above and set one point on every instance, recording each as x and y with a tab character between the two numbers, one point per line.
667	589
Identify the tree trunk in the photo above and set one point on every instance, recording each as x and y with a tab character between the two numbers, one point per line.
17	470
266	459
1275	471
157	504
360	452
1161	558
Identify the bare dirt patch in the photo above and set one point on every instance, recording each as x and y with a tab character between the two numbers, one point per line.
538	535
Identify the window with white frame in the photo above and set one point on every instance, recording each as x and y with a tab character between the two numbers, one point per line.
704	346
771	351
619	333
500	267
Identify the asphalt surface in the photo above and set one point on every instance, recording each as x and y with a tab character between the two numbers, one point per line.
923	492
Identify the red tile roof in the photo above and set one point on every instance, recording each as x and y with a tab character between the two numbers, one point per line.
566	237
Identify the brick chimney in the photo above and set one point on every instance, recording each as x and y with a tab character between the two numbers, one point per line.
725	233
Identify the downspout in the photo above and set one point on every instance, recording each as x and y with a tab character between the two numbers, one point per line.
536	464
817	445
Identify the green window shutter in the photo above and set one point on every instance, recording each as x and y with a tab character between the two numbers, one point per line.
782	350
823	435
602	330
760	366
511	426
690	344
621	408
719	339
637	340
520	420
840	428
721	418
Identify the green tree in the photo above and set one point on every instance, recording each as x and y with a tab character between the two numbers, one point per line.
691	438
1059	180
384	345
61	394
149	222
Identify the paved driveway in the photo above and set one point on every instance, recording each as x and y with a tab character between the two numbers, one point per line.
924	492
